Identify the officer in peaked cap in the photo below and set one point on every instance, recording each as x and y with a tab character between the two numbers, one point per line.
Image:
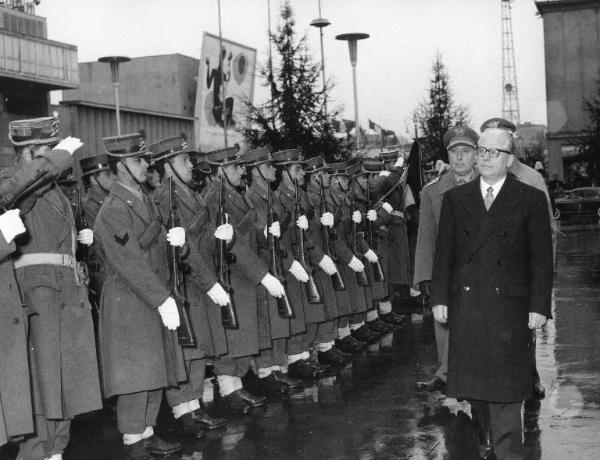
97	178
461	143
274	329
138	313
529	176
171	157
63	354
246	272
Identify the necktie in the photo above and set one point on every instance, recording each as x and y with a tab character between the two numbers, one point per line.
461	181
489	198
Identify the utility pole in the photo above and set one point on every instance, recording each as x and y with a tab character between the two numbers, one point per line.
510	92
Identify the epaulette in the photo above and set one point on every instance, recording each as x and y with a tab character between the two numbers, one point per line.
437	179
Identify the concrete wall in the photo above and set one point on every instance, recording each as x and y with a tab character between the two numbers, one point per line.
160	84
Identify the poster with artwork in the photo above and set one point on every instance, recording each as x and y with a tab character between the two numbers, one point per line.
223	86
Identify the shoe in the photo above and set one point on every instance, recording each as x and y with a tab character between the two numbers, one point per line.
137	451
235	404
263	386
345	356
332	358
435	384
320	368
393	318
251	399
291	383
350	344
485	445
364	334
539	392
158	446
206	421
302	369
379	326
187	427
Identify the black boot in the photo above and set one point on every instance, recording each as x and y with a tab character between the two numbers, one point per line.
268	386
291	383
235	404
380	326
349	344
137	451
158	446
332	358
364	334
206	421
347	357
188	427
302	369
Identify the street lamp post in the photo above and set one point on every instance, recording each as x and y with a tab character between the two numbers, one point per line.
321	22
352	39
114	62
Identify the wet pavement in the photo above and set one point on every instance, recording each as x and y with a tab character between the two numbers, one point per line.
371	410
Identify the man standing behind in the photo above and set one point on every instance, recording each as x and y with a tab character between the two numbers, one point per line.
461	143
492	280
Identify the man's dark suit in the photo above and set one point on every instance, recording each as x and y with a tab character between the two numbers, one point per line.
491	269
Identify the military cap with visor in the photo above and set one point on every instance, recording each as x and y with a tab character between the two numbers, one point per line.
94	164
499	123
337	168
390	156
126	146
288	157
34	131
460	135
372	166
314	164
224	157
257	156
169	147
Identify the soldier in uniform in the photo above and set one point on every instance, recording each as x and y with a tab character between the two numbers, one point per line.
274	327
61	338
138	317
97	179
171	158
16	184
246	273
461	144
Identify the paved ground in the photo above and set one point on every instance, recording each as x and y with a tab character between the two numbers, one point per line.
371	410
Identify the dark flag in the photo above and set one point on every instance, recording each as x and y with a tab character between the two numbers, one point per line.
415	177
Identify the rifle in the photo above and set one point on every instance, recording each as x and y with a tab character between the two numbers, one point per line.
377	270
185	333
284	307
82	253
336	278
361	277
312	292
384	197
223	262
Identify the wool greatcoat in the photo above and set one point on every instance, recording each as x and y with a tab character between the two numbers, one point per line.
272	325
133	352
359	296
491	269
312	313
247	271
15	392
61	335
205	315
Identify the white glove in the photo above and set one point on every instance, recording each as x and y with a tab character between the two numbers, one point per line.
399	162
218	295
387	207
327	265
86	237
70	144
372	215
356	264
298	271
440	313
224	232
327	219
356	217
302	222
11	225
273	285
169	314
536	320
274	229
371	256
385	173
176	236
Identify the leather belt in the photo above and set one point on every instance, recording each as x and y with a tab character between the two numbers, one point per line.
45	258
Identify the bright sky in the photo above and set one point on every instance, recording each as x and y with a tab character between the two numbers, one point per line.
394	64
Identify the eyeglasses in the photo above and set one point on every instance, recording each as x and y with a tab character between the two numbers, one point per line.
494	152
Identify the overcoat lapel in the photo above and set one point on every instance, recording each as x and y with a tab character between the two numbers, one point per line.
491	219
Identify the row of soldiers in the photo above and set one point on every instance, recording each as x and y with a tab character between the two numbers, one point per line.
275	270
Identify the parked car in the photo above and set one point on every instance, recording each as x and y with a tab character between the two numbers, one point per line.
578	203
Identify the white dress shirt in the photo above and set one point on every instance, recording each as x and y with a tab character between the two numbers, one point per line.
497	186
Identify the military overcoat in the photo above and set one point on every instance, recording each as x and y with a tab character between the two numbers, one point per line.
492	268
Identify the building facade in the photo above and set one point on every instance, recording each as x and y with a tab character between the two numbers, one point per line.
572	58
31	66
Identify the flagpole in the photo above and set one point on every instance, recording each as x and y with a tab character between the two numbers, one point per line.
222	76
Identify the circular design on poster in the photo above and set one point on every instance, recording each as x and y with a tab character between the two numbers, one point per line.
240	67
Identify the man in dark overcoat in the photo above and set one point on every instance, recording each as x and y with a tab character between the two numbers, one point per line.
16	415
492	283
62	351
139	353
